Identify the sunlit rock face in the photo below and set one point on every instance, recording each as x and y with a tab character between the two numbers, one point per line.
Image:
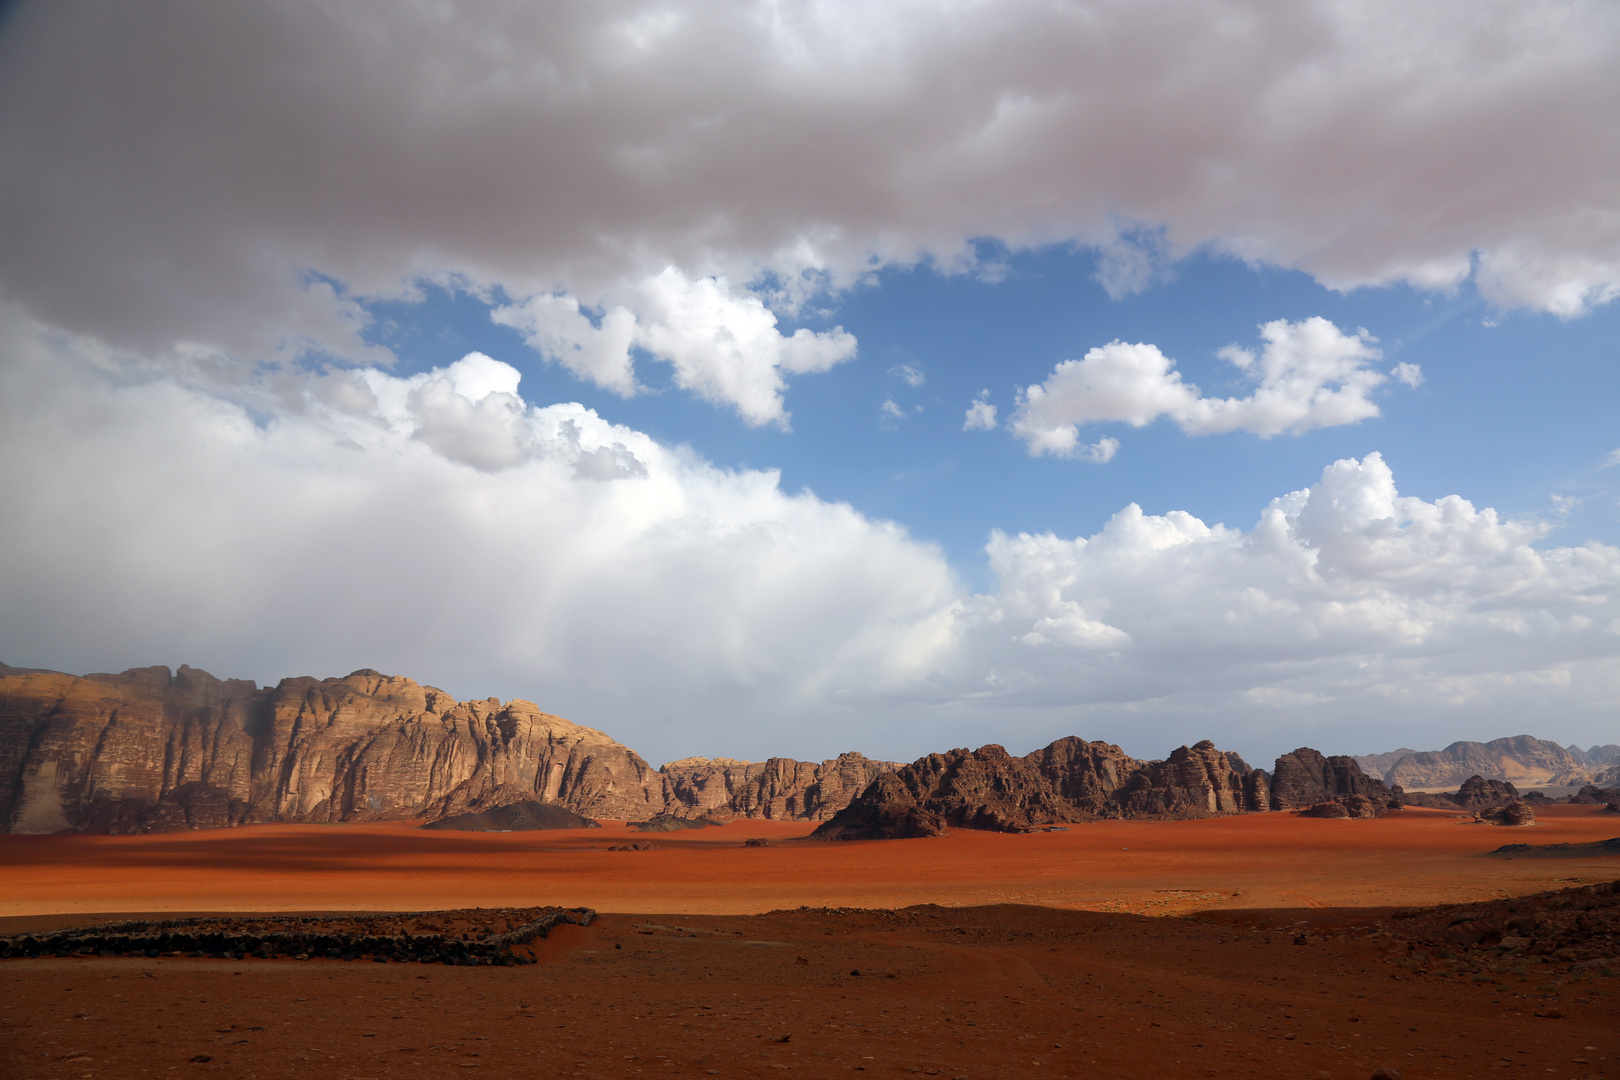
150	750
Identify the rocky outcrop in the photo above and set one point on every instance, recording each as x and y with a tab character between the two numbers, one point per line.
1592	795
778	788
525	816
1192	782
1305	778
1478	793
1514	813
1069	781
154	750
887	810
1353	807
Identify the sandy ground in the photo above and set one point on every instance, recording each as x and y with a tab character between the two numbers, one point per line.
701	973
1250	861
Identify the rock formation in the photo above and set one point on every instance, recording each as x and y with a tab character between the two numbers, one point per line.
778	788
887	810
150	750
1520	759
1478	793
1305	778
1514	813
1070	780
1192	781
525	816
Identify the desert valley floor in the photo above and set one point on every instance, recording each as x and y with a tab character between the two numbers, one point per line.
1264	945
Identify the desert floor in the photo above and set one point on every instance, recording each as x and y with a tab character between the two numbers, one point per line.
1039	955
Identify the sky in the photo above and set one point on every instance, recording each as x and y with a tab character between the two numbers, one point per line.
750	379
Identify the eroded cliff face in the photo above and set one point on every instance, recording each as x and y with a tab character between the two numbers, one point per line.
778	788
1306	778
147	750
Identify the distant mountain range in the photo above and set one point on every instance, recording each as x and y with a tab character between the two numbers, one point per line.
1521	760
150	750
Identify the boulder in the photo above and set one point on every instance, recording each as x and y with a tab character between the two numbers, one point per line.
1514	813
1331	809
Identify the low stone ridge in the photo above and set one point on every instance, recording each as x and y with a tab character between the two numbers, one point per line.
151	750
1559	851
1592	795
525	816
483	937
672	823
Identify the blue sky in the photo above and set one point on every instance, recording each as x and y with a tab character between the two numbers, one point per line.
621	358
1515	410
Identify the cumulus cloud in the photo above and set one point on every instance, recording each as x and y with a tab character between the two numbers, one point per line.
1309	375
1345	600
439	525
913	376
442	527
723	346
981	415
236	178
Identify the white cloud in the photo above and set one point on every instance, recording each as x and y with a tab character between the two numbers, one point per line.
1410	374
723	345
912	376
1309	375
891	410
237	175
439	525
981	415
1346	604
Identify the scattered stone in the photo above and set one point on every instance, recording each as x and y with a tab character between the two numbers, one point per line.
637	845
756	841
482	937
1384	1072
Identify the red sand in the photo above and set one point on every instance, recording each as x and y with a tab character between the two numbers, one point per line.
962	992
1253	861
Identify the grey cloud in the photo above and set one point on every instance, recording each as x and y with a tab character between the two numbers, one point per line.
176	172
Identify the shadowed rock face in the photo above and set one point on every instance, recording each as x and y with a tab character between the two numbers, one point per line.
1477	793
1305	778
1068	781
1192	781
150	750
778	788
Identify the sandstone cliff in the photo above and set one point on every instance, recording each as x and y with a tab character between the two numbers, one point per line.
1305	778
778	788
151	750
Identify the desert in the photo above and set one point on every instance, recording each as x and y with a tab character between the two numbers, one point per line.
364	877
1246	945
